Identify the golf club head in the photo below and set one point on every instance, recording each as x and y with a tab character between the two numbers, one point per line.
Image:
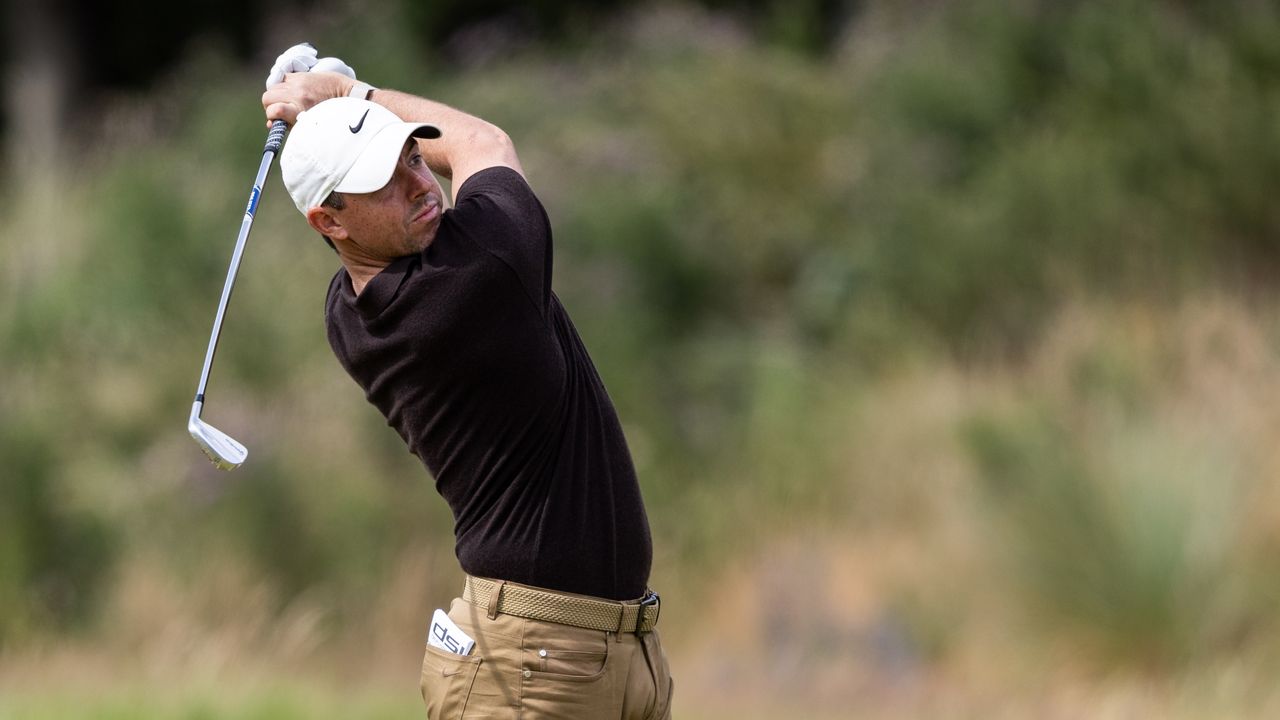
222	450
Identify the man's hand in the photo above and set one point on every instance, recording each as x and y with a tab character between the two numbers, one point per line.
301	91
301	58
288	94
298	58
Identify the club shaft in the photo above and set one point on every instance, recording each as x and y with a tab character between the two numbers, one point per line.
264	168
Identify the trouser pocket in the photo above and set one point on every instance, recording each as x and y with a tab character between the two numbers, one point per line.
446	682
568	677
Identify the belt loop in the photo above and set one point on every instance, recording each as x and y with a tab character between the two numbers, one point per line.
494	596
622	620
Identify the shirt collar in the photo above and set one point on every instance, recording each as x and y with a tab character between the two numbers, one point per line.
382	289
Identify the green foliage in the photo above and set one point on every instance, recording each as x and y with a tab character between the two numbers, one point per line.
1030	151
1112	564
1120	528
746	237
54	559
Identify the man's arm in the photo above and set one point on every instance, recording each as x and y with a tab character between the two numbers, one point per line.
466	144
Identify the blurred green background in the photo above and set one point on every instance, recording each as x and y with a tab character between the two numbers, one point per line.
945	336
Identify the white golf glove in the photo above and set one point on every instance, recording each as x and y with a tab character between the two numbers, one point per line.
302	58
333	64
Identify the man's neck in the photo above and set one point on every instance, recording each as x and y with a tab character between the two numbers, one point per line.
361	271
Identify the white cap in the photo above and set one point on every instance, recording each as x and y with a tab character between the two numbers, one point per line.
344	144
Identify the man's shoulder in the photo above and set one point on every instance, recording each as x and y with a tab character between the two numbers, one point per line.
495	178
498	212
498	199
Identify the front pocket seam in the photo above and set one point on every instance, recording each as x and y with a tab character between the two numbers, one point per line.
466	697
560	677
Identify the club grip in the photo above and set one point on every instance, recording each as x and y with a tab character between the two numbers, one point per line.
275	136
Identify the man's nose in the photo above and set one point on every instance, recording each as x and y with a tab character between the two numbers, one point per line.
418	183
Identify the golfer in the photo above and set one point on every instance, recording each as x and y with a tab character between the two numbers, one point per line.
446	318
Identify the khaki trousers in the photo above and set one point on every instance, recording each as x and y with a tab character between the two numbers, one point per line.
534	669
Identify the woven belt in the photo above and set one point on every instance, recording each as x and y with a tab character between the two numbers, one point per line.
638	616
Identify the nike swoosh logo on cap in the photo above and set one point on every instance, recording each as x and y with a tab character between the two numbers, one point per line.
356	128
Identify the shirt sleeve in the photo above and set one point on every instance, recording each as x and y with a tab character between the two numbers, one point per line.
498	210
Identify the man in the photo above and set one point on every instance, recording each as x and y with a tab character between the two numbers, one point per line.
446	318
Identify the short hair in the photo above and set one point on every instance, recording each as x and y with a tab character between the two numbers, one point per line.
337	202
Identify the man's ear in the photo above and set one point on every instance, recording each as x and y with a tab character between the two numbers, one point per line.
323	220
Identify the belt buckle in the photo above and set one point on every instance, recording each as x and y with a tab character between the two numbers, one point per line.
650	598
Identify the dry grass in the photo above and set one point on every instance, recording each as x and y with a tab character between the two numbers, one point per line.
901	602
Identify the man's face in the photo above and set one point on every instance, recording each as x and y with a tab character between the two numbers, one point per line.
400	219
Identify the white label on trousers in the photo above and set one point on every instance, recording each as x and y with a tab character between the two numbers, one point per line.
446	635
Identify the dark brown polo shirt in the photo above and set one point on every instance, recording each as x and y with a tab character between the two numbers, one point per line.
474	361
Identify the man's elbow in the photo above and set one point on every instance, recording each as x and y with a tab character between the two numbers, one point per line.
495	143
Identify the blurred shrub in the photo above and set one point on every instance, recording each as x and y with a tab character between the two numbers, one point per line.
1116	494
1019	152
54	558
1100	554
745	235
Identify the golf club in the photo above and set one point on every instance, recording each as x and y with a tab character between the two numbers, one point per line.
225	452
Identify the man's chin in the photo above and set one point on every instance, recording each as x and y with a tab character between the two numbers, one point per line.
421	242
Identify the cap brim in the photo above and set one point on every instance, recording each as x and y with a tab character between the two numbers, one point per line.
373	169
